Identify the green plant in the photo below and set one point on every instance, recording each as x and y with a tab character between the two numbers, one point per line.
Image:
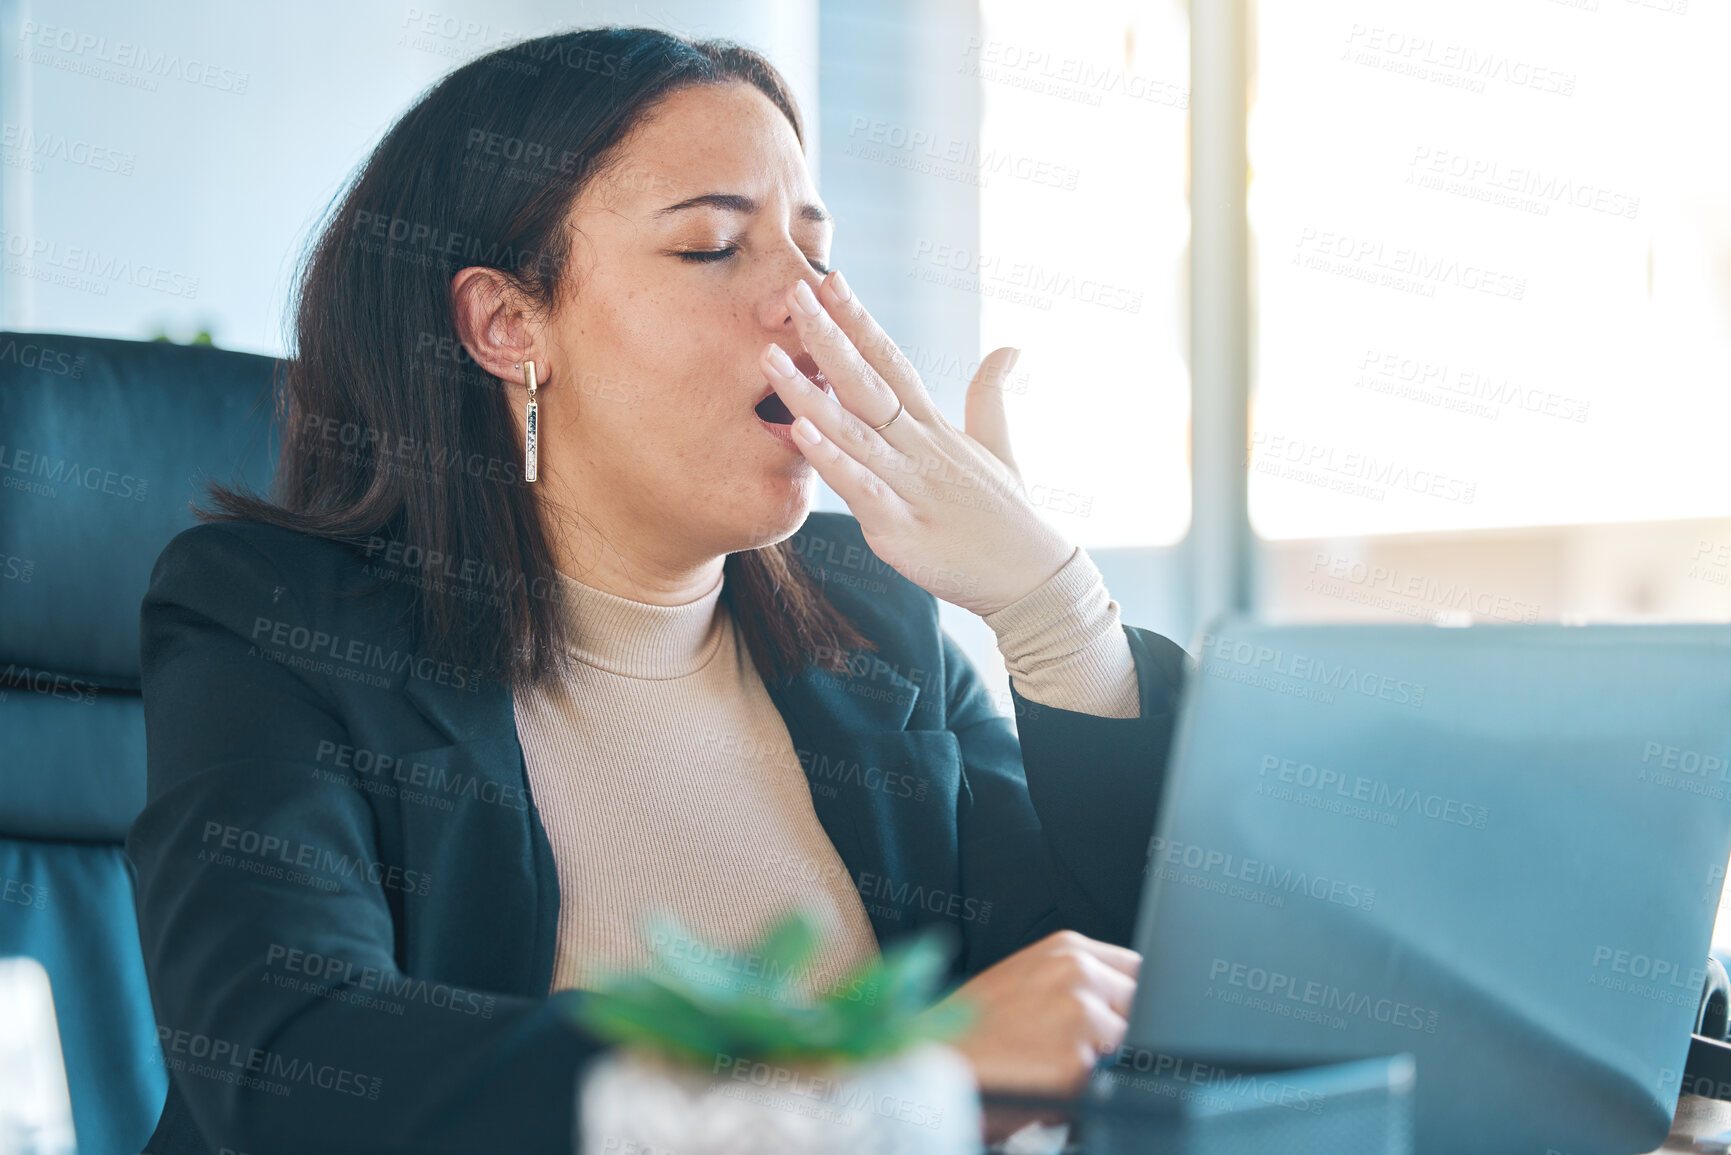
699	1010
202	337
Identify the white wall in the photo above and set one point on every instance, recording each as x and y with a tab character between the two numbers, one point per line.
162	167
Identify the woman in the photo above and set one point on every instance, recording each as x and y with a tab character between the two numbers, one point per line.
426	737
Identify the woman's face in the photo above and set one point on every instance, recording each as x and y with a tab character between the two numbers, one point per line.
681	263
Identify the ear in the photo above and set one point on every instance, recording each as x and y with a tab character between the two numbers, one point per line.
493	323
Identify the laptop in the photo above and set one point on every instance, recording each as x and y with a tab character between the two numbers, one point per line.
1499	849
35	1103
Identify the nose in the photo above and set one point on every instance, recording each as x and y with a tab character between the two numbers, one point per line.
774	310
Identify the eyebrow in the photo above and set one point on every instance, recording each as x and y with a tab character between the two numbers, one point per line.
736	203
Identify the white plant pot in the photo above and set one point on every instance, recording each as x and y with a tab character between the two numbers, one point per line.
921	1102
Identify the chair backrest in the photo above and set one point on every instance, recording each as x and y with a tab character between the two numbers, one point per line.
104	445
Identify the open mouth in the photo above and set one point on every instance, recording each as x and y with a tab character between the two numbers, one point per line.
770	406
773	410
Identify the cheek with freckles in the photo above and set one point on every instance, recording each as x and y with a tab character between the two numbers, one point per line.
687	444
668	348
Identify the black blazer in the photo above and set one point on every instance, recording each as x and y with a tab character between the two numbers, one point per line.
348	904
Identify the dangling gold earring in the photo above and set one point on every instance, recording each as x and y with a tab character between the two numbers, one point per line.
529	423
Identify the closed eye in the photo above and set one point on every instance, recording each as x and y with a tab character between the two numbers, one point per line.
705	256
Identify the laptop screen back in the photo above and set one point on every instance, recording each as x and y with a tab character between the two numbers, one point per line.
1500	849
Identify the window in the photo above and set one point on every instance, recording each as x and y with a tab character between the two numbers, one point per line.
1083	233
1492	254
1493	266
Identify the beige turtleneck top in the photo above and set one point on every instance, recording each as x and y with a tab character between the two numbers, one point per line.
666	778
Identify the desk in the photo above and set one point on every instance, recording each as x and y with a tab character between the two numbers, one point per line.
1699	1118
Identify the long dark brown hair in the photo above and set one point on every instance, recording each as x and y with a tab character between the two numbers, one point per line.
396	442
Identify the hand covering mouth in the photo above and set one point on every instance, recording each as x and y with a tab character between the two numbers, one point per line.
770	406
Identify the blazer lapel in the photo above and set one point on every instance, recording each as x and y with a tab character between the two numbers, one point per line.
828	716
885	795
463	711
479	728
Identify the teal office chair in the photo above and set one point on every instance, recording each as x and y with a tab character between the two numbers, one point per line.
103	444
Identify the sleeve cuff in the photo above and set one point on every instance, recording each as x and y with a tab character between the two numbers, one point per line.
1065	647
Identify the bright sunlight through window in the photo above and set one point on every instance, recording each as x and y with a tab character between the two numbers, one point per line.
1514	223
1084	226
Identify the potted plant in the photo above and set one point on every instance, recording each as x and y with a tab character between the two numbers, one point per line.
715	1058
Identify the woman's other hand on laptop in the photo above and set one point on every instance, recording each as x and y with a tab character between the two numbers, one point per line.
1048	1012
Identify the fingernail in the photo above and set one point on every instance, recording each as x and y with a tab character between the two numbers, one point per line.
838	286
807	431
806	299
782	362
1015	355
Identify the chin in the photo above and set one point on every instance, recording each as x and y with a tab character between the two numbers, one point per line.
782	511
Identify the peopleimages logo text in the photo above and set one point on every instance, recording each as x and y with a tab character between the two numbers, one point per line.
1325	996
57	471
361	653
295	853
213	1054
1358	788
1166	854
1303	668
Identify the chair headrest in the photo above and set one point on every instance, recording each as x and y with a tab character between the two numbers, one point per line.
104	446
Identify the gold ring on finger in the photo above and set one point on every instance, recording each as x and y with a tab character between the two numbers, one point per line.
891	421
